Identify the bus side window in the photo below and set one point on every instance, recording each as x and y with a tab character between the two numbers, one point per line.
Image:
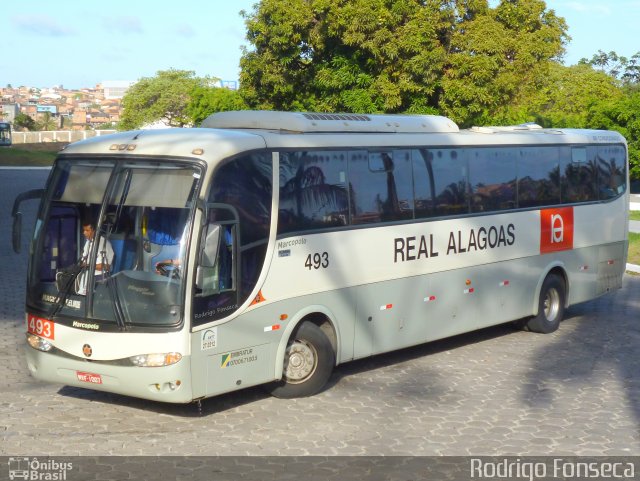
579	176
611	171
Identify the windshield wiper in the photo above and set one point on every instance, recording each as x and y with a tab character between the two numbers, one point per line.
72	274
117	305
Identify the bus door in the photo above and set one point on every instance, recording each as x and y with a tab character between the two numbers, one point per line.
219	257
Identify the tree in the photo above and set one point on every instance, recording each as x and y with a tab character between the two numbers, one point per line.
498	57
164	97
23	121
622	115
207	100
566	97
331	55
617	66
460	57
47	122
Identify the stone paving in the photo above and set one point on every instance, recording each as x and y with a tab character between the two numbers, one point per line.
493	392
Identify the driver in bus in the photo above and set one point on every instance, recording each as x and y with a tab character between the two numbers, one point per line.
104	256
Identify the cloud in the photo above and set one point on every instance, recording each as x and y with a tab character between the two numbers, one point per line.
42	25
123	24
185	31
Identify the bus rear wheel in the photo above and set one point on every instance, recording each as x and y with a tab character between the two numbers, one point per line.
308	363
550	305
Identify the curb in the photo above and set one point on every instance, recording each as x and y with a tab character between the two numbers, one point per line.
633	269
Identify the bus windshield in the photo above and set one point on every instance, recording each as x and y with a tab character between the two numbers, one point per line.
111	240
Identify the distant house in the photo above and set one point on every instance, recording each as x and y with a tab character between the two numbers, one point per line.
115	89
79	119
8	112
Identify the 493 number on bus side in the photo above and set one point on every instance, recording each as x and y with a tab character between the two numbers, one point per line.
318	260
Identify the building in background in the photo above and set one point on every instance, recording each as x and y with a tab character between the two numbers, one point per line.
115	89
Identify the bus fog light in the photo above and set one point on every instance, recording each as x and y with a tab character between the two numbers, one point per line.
39	343
156	360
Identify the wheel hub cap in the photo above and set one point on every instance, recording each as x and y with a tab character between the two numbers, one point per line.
300	361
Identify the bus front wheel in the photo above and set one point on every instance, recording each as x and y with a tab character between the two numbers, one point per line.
550	305
308	363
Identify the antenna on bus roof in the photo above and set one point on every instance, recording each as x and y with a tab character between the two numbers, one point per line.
319	122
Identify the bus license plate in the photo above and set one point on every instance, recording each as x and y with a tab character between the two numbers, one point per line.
89	377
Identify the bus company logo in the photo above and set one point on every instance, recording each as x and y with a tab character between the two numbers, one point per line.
33	469
556	229
86	350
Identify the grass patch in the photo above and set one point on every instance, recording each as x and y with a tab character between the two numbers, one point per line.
634	248
634	214
30	155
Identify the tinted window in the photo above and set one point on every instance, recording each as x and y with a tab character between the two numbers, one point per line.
538	176
240	201
579	175
313	190
440	182
492	178
380	186
611	161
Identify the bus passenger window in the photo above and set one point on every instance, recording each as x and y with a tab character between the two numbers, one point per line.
579	175
313	193
611	171
440	182
380	186
492	177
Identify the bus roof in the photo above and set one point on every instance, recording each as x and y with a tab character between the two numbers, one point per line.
229	133
336	123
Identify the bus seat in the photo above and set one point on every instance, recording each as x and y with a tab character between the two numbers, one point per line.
124	254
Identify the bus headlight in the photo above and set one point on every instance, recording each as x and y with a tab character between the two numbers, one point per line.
156	360
39	343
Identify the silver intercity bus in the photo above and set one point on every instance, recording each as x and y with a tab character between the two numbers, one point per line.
269	247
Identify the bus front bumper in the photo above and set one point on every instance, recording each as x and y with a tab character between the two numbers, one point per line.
170	384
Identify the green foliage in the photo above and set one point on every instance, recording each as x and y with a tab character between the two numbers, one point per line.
107	126
617	66
622	115
333	55
207	100
563	100
458	57
23	121
164	97
46	123
498	57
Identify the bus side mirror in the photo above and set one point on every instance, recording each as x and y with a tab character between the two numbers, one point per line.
210	246
17	231
16	234
206	274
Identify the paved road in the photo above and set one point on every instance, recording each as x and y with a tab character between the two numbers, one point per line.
494	392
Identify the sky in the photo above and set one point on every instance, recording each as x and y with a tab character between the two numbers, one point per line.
80	43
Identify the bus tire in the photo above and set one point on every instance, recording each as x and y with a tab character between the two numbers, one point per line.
308	363
550	305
